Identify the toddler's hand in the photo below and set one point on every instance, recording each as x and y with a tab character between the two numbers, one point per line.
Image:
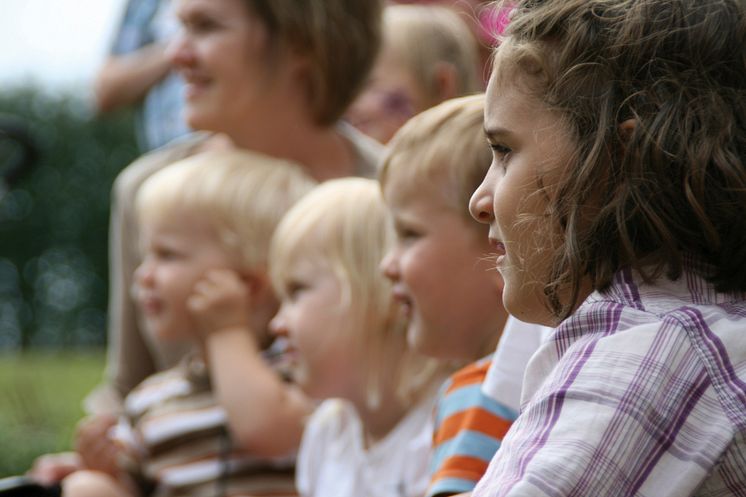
52	468
94	445
219	301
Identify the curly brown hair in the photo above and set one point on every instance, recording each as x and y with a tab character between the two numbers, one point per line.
674	185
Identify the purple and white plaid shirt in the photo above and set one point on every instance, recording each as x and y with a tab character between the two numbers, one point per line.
642	392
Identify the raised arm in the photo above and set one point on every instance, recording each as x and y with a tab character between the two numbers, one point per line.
265	414
125	79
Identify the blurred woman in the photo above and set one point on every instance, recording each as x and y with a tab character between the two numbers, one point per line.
273	77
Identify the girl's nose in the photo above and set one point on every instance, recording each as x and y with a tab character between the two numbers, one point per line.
390	265
480	204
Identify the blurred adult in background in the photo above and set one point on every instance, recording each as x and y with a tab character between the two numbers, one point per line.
138	72
485	19
428	55
273	77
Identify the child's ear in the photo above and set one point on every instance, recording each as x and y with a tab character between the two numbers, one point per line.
446	80
256	280
626	128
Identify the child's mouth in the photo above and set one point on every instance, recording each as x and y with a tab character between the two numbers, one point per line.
404	301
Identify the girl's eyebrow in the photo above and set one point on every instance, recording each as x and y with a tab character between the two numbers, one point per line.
496	132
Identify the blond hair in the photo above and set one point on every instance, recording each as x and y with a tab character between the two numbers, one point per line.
340	39
424	36
443	146
244	193
344	225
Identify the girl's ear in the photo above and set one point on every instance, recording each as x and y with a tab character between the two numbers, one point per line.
446	81
626	128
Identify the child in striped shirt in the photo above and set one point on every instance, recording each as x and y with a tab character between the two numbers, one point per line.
616	202
204	426
451	296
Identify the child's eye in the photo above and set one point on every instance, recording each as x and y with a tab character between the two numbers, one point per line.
500	154
166	255
500	150
295	288
404	233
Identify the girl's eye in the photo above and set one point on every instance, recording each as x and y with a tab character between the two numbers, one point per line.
500	154
295	288
404	233
500	150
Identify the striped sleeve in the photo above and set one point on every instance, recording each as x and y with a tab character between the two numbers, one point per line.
469	427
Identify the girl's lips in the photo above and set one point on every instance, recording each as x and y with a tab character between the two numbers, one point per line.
497	246
400	295
405	302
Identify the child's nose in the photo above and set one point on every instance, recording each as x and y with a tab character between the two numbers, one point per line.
480	204
390	265
144	274
277	325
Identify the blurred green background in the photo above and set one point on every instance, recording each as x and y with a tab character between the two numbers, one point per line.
42	392
53	269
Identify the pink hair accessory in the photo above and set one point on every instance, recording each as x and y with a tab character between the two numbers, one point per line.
493	21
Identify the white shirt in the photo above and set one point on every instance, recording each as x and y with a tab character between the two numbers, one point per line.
504	378
333	462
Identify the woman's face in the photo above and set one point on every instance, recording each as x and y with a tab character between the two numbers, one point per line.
530	144
222	54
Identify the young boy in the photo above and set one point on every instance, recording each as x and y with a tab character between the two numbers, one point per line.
441	276
206	225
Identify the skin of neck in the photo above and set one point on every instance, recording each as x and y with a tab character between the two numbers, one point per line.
378	421
501	317
286	129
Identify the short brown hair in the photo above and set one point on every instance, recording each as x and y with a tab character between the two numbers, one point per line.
675	186
341	38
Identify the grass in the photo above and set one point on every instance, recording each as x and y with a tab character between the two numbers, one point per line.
40	403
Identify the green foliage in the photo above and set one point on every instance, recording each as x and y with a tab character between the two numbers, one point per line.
53	224
41	404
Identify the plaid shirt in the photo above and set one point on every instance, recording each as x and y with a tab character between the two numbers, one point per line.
642	392
160	118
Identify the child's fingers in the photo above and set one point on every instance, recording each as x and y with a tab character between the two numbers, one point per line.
196	303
